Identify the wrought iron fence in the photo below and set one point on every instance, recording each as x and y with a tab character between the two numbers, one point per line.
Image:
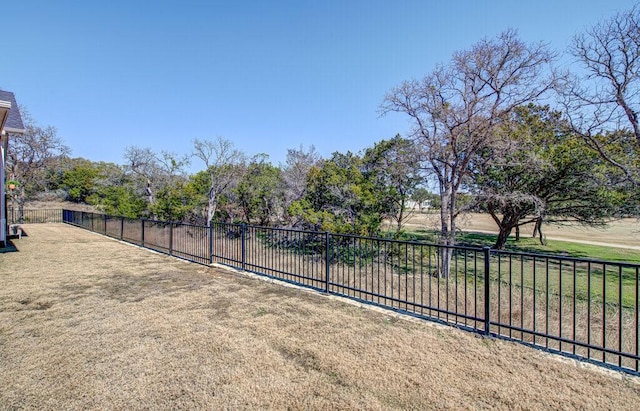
583	308
30	216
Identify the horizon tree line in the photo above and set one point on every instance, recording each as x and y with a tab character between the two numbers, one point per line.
498	128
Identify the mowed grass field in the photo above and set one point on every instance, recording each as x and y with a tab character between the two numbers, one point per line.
87	322
621	233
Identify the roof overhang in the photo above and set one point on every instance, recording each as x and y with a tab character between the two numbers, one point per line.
5	106
13	122
15	130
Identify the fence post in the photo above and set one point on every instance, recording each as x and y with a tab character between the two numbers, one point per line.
170	237
121	228
327	260
210	242
105	224
242	231
142	233
487	302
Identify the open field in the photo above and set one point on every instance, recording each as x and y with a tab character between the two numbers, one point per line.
88	322
624	232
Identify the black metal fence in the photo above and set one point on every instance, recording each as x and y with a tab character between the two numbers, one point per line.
30	216
583	308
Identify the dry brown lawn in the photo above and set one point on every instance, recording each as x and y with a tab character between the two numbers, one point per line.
87	322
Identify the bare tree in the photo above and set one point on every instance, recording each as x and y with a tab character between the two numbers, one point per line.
457	108
155	171
173	165
142	163
29	156
222	161
295	170
606	96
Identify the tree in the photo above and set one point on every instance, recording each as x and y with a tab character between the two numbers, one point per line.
340	198
142	162
30	156
119	200
77	178
197	190
394	166
297	166
260	192
155	174
457	109
420	195
543	173
173	202
604	97
223	162
114	191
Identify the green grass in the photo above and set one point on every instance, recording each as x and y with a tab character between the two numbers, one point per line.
586	278
580	250
532	245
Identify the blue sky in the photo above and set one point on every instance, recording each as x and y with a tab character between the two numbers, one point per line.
268	75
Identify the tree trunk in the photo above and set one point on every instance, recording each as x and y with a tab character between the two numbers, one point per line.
510	220
211	209
400	218
447	233
543	241
149	191
537	231
503	235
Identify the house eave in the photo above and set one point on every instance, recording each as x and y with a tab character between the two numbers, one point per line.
15	130
5	106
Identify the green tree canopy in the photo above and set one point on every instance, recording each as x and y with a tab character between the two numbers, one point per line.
544	172
260	192
394	168
340	198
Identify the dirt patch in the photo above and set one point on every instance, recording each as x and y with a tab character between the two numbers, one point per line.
88	322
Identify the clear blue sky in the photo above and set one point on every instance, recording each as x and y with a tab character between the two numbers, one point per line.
268	75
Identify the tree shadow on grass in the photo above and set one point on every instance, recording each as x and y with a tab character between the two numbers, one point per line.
525	245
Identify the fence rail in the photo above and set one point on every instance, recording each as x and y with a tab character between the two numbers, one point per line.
17	216
587	309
